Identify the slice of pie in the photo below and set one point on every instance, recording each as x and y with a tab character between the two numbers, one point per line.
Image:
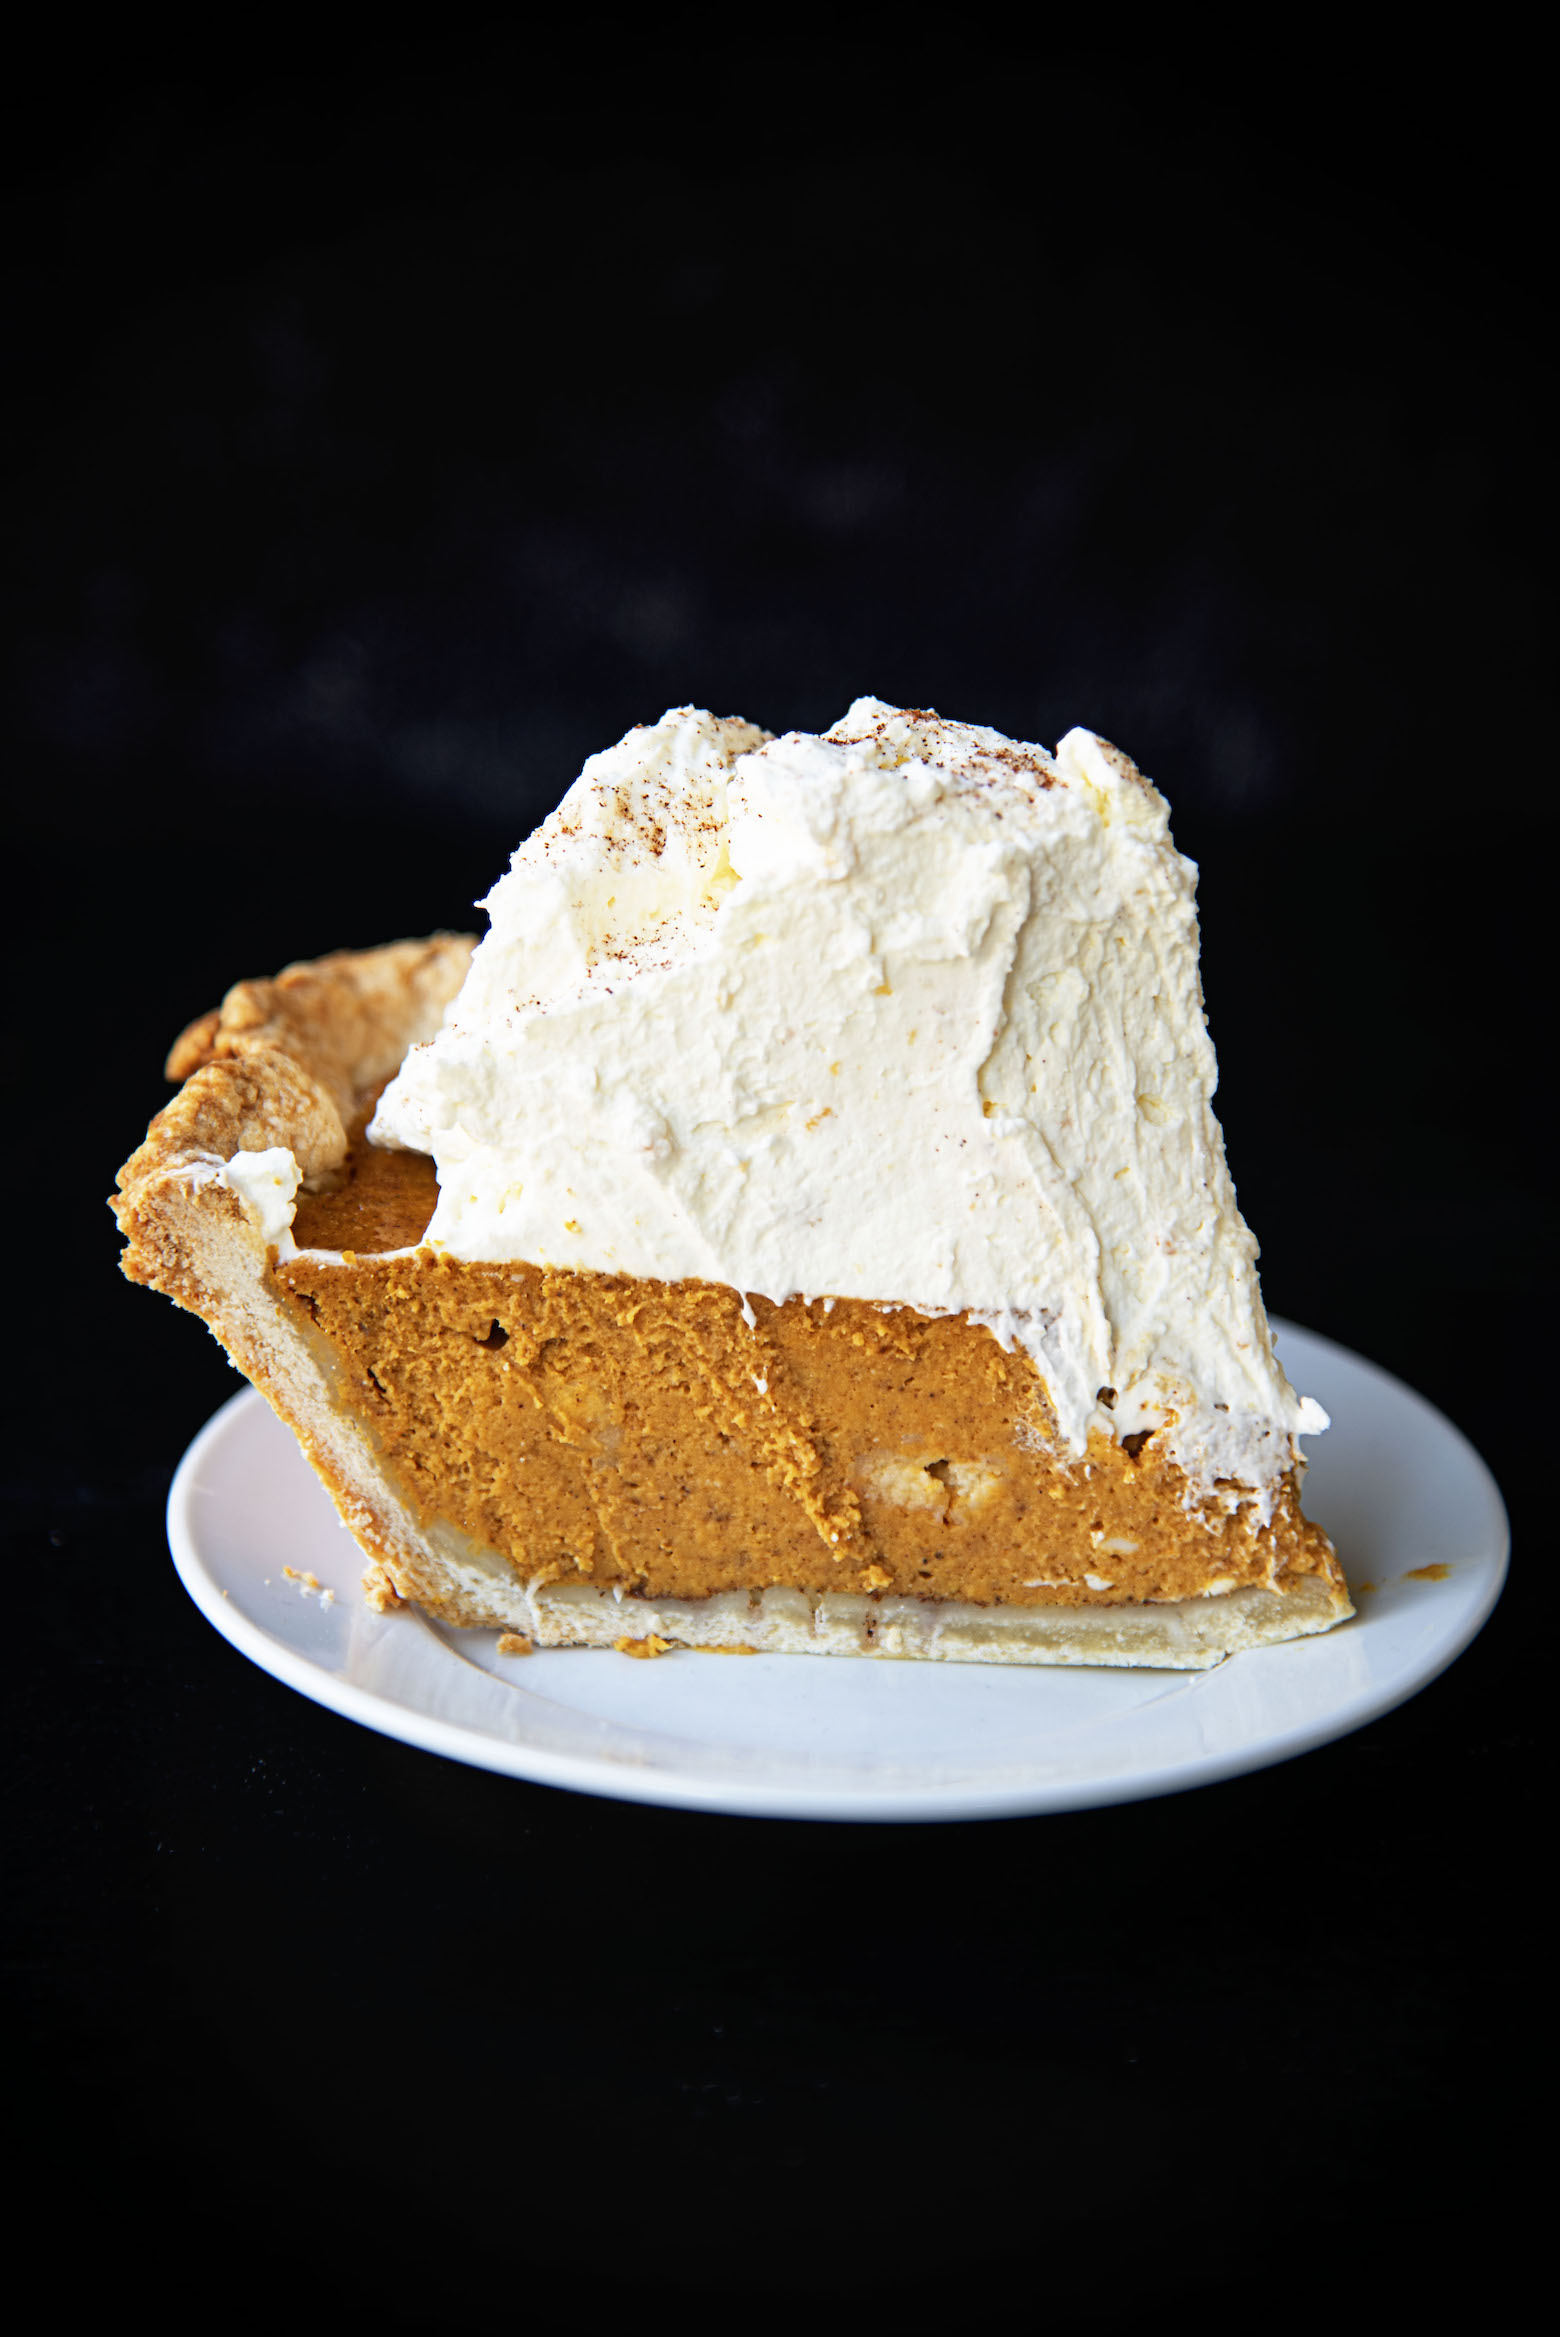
800	1225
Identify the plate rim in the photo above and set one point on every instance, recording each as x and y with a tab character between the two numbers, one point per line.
792	1798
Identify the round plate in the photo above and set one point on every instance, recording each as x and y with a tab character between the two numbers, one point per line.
1415	1514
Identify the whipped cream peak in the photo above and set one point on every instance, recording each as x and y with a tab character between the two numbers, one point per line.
909	1012
630	867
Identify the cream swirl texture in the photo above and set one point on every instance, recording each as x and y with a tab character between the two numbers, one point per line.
908	1012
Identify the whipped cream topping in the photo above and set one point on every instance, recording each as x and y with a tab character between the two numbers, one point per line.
909	1012
267	1184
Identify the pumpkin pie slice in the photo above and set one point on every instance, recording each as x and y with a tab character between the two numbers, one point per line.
800	1226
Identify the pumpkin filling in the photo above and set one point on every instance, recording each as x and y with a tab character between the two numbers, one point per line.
672	1439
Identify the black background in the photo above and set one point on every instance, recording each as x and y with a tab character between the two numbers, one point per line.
388	432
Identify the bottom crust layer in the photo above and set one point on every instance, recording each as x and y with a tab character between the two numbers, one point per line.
1188	1635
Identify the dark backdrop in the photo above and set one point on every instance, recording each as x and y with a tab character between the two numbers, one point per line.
387	435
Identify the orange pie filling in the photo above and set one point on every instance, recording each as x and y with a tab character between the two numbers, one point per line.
669	1439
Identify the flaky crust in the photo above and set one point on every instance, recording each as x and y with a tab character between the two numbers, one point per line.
1176	1635
294	1062
304	1050
289	1062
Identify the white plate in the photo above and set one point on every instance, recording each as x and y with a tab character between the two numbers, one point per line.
1399	1489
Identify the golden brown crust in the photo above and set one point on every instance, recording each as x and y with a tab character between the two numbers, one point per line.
288	1063
646	1449
293	1061
347	1020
